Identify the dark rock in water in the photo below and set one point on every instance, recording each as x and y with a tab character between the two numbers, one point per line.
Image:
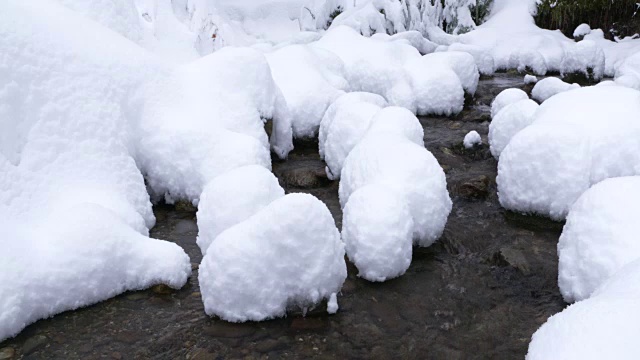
477	188
225	329
308	323
270	345
508	256
162	289
580	78
7	353
187	206
304	178
34	343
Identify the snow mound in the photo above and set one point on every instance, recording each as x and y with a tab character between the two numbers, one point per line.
624	283
508	122
600	236
585	58
507	97
628	74
288	255
530	79
581	31
549	87
71	198
194	129
343	104
233	197
410	171
378	232
471	139
430	84
310	79
484	61
577	139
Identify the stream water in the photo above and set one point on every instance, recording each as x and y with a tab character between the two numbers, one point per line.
480	292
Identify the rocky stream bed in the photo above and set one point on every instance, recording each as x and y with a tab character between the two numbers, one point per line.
479	293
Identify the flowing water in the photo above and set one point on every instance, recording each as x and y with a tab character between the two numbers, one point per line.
479	293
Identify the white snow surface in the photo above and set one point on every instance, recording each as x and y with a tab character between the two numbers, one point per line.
74	209
577	139
471	139
600	237
530	79
508	122
288	255
507	97
582	30
233	197
549	87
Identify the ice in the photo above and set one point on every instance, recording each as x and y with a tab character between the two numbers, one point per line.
288	255
378	232
74	209
577	139
471	139
233	197
508	122
549	87
310	79
530	79
507	97
600	236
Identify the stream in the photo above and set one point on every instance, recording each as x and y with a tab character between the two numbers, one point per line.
479	292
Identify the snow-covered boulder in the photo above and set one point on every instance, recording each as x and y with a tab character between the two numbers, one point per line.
507	97
462	63
310	79
410	171
628	74
530	80
600	236
581	31
577	139
548	87
378	232
343	104
287	256
471	139
508	122
233	197
585	58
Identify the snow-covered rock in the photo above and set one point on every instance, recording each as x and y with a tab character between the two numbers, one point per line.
600	236
549	87
581	31
585	58
507	97
628	74
378	232
530	79
310	79
288	255
233	197
471	139
508	122
577	139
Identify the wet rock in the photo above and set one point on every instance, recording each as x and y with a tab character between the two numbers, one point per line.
138	295
116	355
194	266
162	289
269	345
128	337
229	330
187	206
477	188
34	343
308	323
507	256
7	353
304	178
200	354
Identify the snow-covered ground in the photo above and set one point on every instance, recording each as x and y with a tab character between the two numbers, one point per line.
109	106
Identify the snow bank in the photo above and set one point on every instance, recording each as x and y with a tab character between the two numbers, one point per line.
471	139
549	87
628	74
233	197
310	79
193	128
577	139
71	198
581	31
288	255
430	84
378	232
508	122
600	236
615	52
507	97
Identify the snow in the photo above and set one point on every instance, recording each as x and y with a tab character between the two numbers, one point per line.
581	31
71	198
628	74
233	197
310	79
549	87
600	236
530	79
378	232
332	304
410	171
577	139
471	139
507	97
508	122
288	255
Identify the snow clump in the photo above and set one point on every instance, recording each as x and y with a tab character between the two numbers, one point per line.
471	139
508	122
549	87
507	97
